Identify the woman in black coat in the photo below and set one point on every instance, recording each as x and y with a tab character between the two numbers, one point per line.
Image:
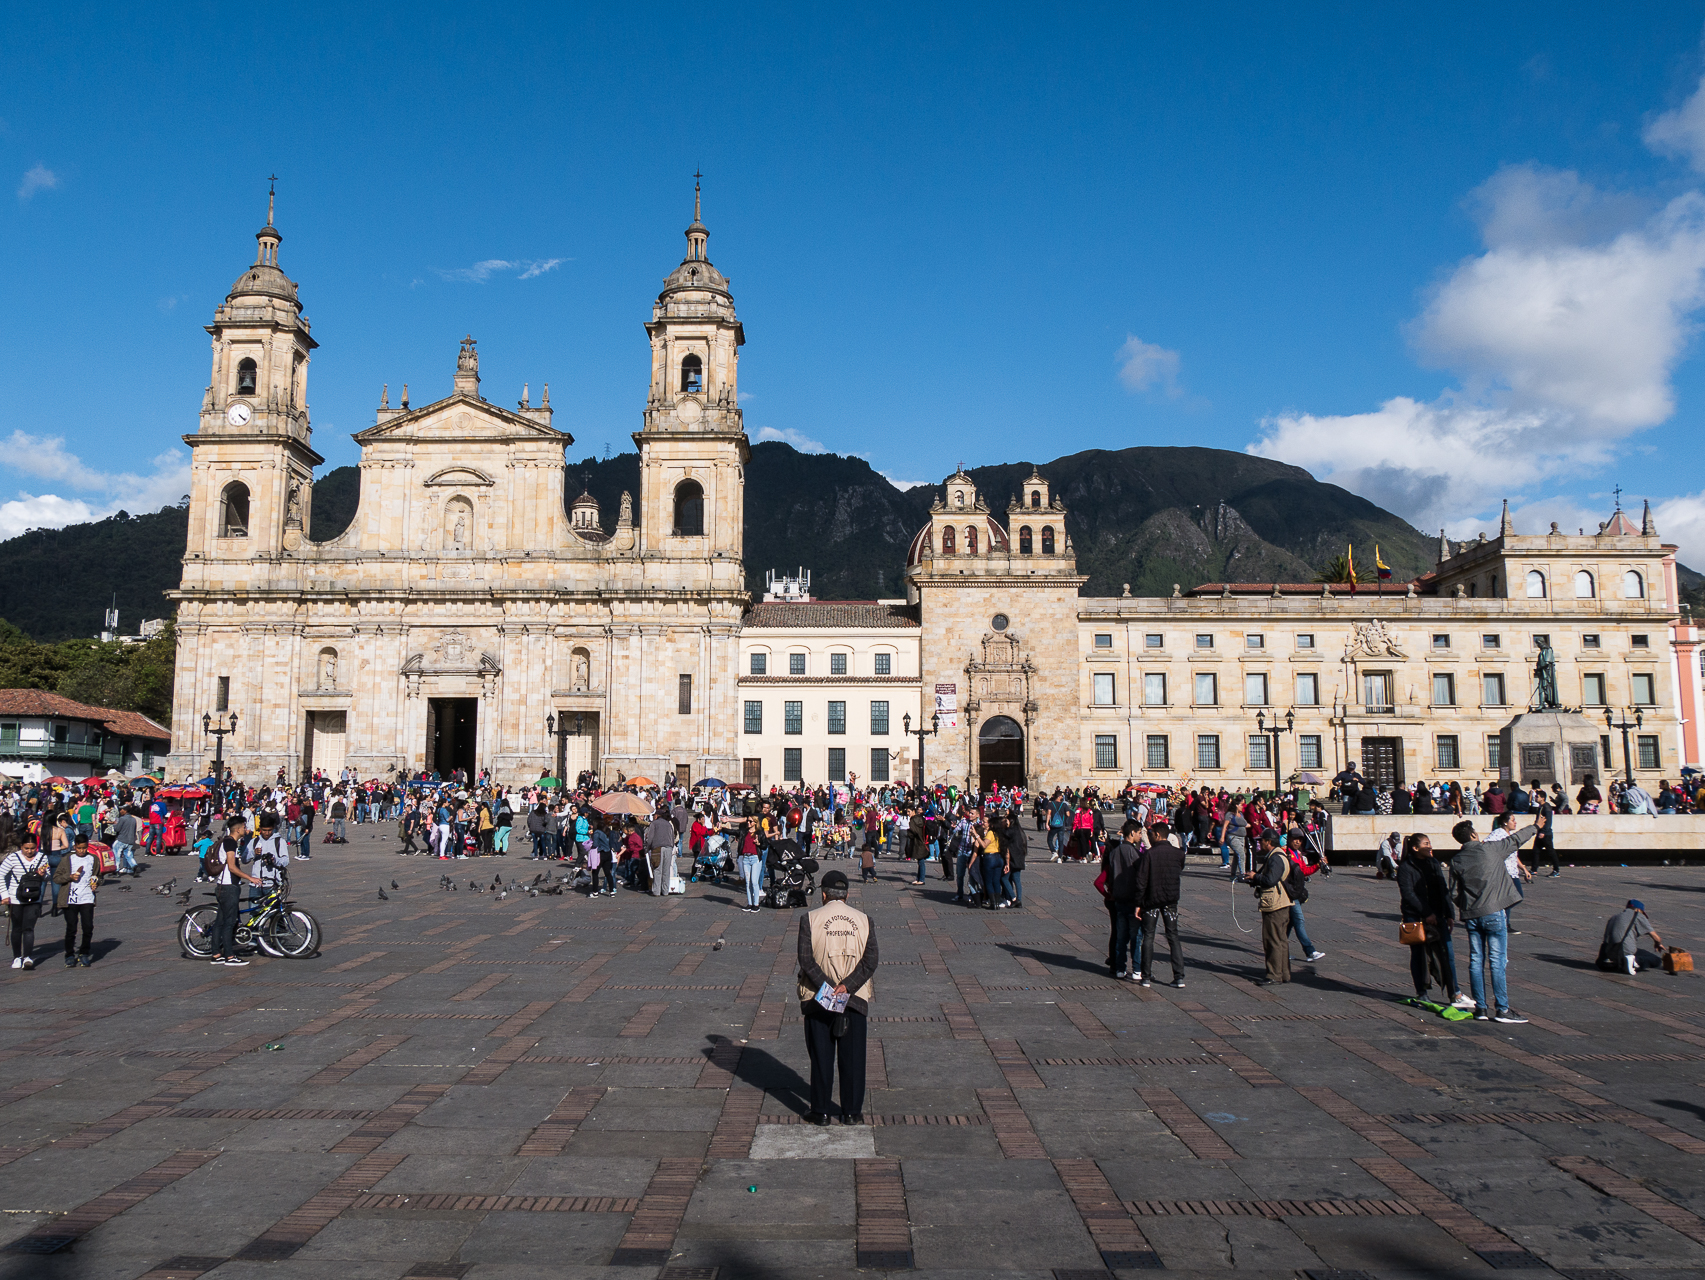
1424	889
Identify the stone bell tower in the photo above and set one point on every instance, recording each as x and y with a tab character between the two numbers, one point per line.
693	447
252	464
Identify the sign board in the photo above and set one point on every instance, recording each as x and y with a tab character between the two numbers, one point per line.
947	705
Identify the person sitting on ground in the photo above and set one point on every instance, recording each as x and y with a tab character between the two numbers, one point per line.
1622	933
1390	854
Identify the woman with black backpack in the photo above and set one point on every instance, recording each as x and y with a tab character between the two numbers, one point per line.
23	878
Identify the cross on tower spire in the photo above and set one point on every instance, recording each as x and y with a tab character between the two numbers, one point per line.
696	176
271	190
1618	492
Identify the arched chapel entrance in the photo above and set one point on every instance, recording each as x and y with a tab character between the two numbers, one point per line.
1000	753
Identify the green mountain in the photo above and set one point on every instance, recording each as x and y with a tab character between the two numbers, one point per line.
1149	517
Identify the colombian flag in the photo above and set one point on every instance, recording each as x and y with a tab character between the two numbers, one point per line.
1350	560
1382	566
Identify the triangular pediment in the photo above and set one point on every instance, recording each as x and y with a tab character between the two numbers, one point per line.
460	417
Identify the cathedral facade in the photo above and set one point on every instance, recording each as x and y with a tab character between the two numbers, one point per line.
469	616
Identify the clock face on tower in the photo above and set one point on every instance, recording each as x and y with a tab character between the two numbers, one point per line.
238	414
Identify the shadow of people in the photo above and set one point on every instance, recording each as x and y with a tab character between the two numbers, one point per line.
761	1069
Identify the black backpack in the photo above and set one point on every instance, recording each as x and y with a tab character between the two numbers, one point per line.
27	892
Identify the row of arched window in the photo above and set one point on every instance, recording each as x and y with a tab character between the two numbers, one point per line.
1586	587
1026	541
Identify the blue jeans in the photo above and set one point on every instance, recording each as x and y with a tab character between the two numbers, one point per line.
991	869
126	859
751	868
1297	927
963	862
1488	934
1015	886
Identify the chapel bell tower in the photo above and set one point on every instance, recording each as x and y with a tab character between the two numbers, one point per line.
252	465
693	446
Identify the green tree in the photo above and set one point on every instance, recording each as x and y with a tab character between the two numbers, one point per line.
1337	570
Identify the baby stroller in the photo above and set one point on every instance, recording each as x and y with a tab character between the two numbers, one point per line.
716	862
793	876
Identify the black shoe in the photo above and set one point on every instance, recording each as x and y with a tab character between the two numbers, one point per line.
1178	983
70	962
1263	982
816	1118
856	1117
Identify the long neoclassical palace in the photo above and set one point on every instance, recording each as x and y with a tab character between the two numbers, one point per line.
472	616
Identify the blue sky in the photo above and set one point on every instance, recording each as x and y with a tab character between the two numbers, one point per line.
1439	254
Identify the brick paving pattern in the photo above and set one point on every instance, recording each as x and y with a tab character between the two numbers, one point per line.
467	1087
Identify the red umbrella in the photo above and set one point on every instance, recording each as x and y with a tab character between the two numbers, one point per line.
191	792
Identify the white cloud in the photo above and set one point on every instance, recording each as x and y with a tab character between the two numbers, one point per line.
1680	132
49	511
799	440
903	484
1564	333
1143	366
1681	520
46	458
480	272
40	178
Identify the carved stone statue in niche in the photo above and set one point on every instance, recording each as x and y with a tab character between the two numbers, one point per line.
582	672
328	669
459	534
293	507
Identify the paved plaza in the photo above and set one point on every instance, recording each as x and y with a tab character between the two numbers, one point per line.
461	1086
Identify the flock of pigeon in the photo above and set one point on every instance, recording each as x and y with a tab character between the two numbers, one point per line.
541	883
165	891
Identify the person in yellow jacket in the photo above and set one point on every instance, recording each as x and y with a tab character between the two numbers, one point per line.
837	949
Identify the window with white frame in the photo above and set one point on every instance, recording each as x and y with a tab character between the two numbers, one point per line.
1444	689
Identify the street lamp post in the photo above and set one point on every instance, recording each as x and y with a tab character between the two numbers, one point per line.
920	733
208	726
1625	724
1275	731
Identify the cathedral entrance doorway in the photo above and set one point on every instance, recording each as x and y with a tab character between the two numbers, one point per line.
323	743
452	735
1000	753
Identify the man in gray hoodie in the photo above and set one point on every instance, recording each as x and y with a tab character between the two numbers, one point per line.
1483	891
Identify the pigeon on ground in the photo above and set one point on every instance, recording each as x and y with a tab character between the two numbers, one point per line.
124	888
183	898
395	885
717	946
383	896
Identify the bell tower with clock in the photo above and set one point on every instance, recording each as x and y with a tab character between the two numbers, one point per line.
252	466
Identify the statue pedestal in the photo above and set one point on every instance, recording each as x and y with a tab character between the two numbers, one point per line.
1551	746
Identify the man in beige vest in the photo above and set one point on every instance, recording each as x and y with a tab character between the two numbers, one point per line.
1272	897
837	949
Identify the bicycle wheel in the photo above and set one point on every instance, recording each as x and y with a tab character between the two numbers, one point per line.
195	931
293	933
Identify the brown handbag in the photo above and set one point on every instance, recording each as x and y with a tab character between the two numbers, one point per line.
1409	932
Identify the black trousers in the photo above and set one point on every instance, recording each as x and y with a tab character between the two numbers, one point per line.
24	928
1154	919
225	924
826	1051
83	912
1544	844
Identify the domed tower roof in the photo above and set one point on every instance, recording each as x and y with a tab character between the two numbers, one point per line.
265	279
695	271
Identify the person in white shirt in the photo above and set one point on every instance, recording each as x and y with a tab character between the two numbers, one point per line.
24	875
266	856
79	874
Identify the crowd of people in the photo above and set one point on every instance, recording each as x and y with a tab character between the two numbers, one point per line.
653	838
